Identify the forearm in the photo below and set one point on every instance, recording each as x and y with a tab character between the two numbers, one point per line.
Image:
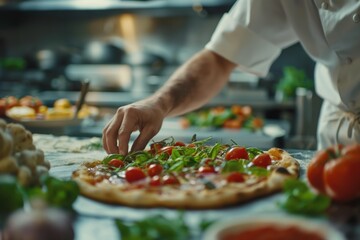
194	83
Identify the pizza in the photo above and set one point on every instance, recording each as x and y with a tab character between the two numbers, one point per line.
186	176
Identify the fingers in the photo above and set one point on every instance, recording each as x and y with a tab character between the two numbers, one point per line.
110	133
146	134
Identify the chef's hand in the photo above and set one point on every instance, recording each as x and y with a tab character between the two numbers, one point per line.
145	116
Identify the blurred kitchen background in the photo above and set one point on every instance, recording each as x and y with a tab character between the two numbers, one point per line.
128	49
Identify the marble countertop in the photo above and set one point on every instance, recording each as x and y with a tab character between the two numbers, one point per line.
95	220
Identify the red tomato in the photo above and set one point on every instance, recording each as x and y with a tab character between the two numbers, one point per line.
155	181
170	180
11	101
116	163
180	144
237	152
342	178
155	147
262	160
133	174
167	149
32	102
235	177
206	169
315	169
335	172
206	161
154	169
191	145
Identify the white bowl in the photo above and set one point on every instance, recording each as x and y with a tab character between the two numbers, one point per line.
323	229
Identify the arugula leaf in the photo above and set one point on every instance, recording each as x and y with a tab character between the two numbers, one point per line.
300	199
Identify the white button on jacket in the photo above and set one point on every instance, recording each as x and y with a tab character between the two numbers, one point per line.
253	33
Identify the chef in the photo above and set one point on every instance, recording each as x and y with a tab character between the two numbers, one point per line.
250	37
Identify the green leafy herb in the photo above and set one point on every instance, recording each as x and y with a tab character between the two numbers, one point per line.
300	199
108	158
155	227
253	152
60	193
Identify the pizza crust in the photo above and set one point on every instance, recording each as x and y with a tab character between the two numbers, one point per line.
173	196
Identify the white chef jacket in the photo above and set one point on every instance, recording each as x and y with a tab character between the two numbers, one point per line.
253	33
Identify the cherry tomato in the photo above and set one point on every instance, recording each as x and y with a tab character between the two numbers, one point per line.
342	178
206	169
170	180
237	152
154	169
155	147
235	177
116	163
166	149
206	161
262	160
133	174
191	145
155	181
180	144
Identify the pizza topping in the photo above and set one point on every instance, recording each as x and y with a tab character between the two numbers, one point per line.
235	177
154	169
170	180
133	174
262	160
237	152
206	170
116	163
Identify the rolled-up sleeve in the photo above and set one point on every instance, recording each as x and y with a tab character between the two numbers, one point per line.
252	35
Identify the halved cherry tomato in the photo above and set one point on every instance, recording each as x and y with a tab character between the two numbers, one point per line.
235	177
206	169
262	160
170	180
237	152
116	163
154	169
155	147
155	181
133	174
166	149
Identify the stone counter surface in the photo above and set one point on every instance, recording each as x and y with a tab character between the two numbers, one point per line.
95	220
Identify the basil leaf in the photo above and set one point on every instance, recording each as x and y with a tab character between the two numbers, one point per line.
300	199
253	152
234	166
257	171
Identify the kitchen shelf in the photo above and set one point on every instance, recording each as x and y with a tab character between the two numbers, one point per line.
164	6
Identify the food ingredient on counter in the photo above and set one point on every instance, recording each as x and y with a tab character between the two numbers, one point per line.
335	172
235	117
300	199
